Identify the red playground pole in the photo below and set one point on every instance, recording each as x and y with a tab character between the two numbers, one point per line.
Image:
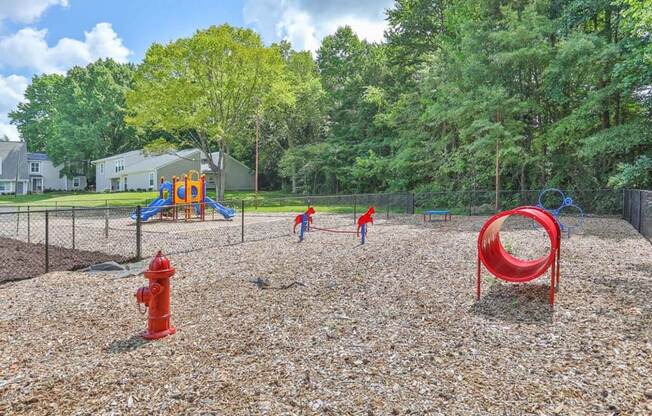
202	206
175	215
186	194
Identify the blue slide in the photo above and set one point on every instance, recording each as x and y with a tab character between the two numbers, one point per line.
152	209
226	212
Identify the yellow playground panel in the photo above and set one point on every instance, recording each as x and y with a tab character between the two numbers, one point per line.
197	185
193	181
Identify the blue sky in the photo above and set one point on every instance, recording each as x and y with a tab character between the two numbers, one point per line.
51	36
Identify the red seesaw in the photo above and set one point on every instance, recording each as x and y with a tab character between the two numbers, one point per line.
305	220
503	265
299	218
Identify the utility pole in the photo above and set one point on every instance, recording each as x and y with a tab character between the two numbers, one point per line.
257	143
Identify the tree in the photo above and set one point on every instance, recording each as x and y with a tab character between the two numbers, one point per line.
78	117
159	146
298	121
35	116
206	88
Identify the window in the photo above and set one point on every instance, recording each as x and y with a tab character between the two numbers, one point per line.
5	186
124	185
101	168
76	183
151	179
119	165
35	167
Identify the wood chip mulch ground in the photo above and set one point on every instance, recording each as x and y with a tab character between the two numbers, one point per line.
21	260
330	327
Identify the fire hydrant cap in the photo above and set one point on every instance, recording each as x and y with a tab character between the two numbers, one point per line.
159	262
159	267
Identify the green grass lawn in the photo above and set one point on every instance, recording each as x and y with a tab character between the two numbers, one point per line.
91	199
268	201
80	199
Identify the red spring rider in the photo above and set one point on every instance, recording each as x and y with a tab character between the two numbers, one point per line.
299	218
156	296
362	223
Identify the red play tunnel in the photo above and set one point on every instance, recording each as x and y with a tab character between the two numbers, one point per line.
503	265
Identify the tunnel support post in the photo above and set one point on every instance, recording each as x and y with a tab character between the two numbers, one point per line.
477	283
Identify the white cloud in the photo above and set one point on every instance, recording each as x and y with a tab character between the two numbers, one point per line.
306	22
26	11
8	130
12	89
28	49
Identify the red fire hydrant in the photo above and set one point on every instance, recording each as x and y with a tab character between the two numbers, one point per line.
156	296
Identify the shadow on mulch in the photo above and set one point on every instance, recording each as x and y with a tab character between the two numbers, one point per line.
125	345
519	303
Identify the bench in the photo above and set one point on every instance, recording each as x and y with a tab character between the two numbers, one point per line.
430	213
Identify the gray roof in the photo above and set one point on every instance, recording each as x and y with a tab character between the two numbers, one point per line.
119	155
13	155
37	156
152	163
206	167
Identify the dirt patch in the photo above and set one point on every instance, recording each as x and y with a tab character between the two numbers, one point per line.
26	260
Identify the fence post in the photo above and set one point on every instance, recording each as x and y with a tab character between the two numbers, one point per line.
17	220
387	208
355	202
242	207
29	240
640	210
106	219
138	234
414	203
625	198
47	241
72	214
630	206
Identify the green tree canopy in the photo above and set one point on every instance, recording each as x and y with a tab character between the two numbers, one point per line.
207	88
80	116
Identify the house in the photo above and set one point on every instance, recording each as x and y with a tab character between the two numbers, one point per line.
44	176
14	176
137	170
36	173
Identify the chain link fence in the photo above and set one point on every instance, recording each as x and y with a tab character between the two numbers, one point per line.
34	240
637	210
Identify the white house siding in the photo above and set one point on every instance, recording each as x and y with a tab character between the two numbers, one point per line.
238	176
82	183
137	180
178	168
103	179
51	179
8	186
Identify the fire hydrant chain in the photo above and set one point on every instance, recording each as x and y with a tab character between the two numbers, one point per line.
156	298
141	311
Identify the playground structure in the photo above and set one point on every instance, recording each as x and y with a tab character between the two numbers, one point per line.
173	195
566	204
504	266
305	220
